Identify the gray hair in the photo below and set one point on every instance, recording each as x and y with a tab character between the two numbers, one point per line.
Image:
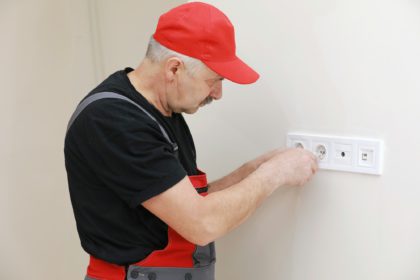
158	53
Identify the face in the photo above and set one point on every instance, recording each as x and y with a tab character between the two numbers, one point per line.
193	92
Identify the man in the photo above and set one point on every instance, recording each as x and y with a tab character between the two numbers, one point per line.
143	209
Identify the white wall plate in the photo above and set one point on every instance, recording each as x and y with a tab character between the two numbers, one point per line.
350	154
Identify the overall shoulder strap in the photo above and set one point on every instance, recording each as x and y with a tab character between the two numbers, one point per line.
103	95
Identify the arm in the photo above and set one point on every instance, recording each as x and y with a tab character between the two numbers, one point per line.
240	173
201	220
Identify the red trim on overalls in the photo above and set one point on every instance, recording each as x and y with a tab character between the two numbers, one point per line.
99	269
178	252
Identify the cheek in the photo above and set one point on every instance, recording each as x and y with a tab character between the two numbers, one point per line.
199	93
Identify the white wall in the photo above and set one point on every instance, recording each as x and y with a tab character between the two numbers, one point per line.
335	67
52	53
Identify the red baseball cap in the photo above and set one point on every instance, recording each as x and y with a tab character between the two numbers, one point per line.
204	32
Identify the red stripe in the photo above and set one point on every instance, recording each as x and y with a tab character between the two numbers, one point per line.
178	253
200	180
99	269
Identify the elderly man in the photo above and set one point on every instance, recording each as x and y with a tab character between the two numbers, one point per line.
143	208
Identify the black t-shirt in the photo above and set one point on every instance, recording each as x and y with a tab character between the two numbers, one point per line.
116	158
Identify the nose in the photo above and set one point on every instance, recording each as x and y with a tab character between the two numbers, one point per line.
217	92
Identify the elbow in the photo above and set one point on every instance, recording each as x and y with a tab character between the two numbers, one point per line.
202	226
205	238
202	234
201	242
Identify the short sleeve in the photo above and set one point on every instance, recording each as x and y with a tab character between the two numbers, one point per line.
126	150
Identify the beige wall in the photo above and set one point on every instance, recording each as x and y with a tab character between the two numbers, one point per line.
46	64
52	53
337	67
124	28
340	67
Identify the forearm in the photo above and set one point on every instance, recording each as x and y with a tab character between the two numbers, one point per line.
240	173
205	218
226	209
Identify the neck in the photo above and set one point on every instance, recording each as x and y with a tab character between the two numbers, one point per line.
148	82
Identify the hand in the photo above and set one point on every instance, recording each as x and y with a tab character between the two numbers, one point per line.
291	167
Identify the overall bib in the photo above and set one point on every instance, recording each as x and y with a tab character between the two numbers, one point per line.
180	259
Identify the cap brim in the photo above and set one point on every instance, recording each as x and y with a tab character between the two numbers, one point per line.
235	70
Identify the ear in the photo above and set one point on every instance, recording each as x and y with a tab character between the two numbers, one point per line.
173	66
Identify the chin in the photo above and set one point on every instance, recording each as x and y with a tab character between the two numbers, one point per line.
191	111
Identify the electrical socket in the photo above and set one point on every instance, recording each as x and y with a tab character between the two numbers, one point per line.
350	154
298	143
321	150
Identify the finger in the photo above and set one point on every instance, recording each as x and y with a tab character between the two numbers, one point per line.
315	158
312	156
314	167
313	161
